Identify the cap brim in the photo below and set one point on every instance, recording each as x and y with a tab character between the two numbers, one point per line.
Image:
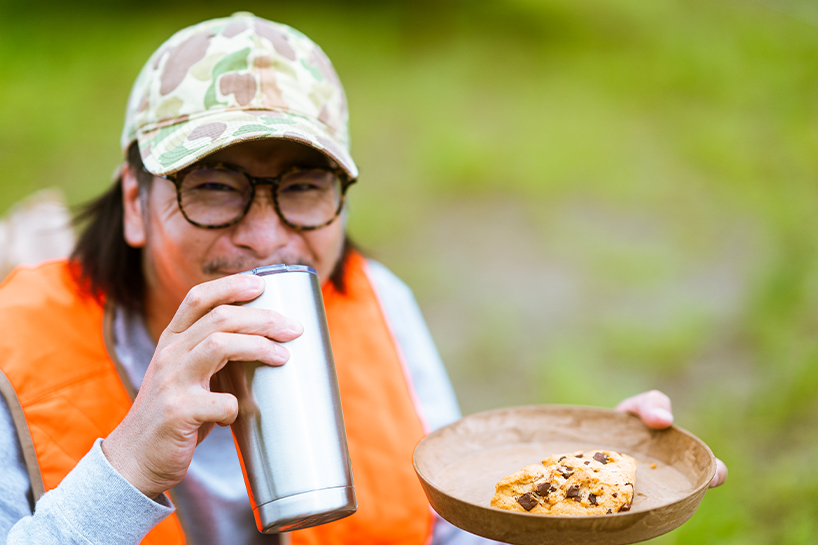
168	149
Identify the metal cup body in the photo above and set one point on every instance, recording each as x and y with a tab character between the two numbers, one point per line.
290	430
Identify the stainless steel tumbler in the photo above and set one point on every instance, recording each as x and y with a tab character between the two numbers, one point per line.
290	429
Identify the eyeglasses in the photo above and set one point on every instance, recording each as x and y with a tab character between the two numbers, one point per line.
216	195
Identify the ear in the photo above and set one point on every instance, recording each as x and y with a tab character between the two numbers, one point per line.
133	222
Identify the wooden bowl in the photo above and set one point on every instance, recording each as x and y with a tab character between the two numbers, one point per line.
459	465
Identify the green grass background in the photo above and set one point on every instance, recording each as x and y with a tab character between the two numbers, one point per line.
589	198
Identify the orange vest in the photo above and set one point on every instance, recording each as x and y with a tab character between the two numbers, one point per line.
55	356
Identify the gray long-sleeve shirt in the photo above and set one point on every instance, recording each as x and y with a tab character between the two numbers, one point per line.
95	504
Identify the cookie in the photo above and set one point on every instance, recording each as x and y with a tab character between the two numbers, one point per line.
594	482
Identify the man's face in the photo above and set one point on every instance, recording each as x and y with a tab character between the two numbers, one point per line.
178	255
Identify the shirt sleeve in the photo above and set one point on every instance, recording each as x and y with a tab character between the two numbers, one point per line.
93	504
15	488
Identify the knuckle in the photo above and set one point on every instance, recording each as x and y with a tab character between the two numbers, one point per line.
273	321
195	297
174	408
163	352
219	315
278	319
215	343
263	346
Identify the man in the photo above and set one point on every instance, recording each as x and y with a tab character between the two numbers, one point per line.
237	156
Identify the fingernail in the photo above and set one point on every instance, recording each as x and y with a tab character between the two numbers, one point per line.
662	414
282	353
714	480
296	327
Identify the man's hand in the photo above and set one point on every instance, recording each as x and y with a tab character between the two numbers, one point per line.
153	445
655	411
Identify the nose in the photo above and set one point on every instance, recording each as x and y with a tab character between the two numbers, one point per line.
261	230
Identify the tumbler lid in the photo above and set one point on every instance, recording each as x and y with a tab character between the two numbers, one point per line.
281	268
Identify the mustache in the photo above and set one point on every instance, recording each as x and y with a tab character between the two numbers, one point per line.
242	263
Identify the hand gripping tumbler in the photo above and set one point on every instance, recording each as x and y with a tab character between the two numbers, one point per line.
290	429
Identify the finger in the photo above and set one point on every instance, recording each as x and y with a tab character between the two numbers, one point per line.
213	353
652	407
721	474
246	320
208	295
217	408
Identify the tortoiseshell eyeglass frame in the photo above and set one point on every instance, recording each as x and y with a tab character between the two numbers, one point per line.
177	178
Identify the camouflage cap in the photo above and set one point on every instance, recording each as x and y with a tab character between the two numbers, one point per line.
231	80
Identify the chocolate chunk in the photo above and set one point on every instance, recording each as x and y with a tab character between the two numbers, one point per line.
561	459
601	457
528	501
626	507
609	512
614	494
572	492
544	488
579	455
592	499
587	462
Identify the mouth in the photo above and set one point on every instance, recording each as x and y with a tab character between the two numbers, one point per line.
226	267
221	273
235	270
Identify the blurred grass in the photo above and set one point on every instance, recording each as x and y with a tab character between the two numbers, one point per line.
588	198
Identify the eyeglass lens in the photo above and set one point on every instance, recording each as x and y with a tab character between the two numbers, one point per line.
217	195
